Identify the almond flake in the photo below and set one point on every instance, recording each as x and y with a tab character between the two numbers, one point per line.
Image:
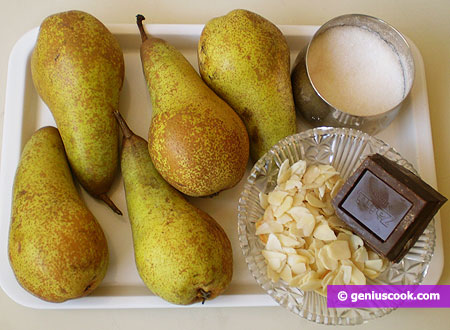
273	243
324	232
277	197
275	260
286	274
299	168
339	250
285	206
263	200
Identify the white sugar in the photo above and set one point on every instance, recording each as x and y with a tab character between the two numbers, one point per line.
356	71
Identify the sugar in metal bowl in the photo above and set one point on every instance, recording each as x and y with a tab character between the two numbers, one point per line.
355	72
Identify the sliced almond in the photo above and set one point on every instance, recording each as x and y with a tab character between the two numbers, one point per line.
268	214
376	264
311	173
360	257
312	199
343	237
315	211
355	242
262	228
289	250
273	243
339	250
269	227
285	206
299	198
372	255
297	212
327	169
299	268
370	273
288	241
297	280
263	200
263	238
284	173
273	275
295	231
324	232
299	168
310	282
358	277
307	224
308	254
327	261
277	197
339	278
347	273
284	219
275	260
337	186
293	259
321	191
328	278
316	244
293	184
286	273
335	222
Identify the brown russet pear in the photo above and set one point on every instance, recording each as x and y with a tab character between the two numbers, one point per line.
78	70
57	249
196	141
182	254
245	59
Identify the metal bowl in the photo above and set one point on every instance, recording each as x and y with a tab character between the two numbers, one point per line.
318	111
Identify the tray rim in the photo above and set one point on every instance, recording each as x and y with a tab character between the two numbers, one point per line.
14	98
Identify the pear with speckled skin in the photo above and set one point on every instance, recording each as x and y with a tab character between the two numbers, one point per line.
181	253
56	248
77	68
245	59
196	141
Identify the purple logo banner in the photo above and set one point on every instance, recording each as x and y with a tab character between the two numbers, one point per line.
388	296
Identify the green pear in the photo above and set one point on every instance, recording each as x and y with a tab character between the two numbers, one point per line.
181	253
196	141
78	69
56	248
245	59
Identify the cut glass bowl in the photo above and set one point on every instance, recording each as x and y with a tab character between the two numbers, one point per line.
344	149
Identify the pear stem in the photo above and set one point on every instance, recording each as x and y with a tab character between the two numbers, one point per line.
204	295
139	19
110	203
126	131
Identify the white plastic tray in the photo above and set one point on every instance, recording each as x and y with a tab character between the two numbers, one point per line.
410	133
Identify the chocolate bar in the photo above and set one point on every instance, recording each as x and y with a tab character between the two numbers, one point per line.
387	205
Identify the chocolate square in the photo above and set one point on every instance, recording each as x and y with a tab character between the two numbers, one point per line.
381	207
387	205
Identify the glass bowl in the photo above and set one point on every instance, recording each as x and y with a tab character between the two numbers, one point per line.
345	149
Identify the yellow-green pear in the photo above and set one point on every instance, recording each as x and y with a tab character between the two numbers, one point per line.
78	69
181	253
196	141
56	248
245	59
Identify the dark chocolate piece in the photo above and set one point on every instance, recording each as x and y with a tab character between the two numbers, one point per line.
381	207
387	205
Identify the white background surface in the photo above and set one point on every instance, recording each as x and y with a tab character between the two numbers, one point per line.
425	22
